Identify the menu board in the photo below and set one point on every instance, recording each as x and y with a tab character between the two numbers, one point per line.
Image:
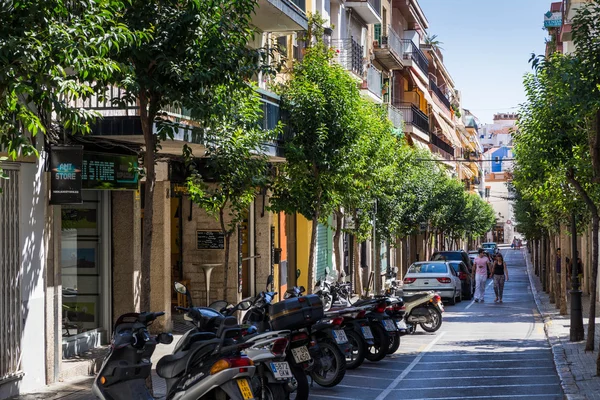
109	171
210	240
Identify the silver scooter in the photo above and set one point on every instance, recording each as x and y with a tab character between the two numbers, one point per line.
210	366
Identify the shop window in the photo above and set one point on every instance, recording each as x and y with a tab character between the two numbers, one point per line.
81	266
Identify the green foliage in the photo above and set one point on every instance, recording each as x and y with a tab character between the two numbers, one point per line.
235	158
53	53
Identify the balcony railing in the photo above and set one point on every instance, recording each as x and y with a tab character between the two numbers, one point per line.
438	92
301	4
395	116
413	116
374	81
349	54
376	4
389	39
413	52
443	148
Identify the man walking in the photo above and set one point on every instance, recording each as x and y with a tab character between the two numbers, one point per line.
481	264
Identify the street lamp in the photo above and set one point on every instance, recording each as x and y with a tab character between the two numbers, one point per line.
576	330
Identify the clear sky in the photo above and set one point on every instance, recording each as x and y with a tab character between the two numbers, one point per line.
486	48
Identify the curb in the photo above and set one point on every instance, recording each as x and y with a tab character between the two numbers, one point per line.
563	369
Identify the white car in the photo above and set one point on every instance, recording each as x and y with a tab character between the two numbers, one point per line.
438	276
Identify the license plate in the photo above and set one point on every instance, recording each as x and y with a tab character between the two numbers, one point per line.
441	306
245	389
389	325
301	354
366	331
281	370
401	325
340	336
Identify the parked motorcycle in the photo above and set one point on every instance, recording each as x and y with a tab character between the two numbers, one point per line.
357	331
424	309
210	366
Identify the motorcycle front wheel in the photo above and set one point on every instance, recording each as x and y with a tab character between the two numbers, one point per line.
356	356
394	343
332	365
381	342
435	322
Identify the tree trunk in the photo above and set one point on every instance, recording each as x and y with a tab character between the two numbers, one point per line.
563	270
589	345
552	268
147	120
337	242
311	254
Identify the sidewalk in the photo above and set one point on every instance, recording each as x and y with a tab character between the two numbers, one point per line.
576	368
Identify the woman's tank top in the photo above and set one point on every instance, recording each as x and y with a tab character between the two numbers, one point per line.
498	268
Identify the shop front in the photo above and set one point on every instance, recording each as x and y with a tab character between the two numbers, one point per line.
86	251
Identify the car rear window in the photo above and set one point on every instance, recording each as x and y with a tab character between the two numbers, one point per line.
428	268
451	255
456	266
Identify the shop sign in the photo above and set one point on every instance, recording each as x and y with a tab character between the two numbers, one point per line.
65	174
109	171
210	240
552	20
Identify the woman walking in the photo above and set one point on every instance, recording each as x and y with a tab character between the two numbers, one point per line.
481	264
500	275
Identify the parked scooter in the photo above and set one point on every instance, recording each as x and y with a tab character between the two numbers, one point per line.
273	373
358	332
210	366
424	309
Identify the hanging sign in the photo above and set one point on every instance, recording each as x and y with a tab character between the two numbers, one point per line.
65	174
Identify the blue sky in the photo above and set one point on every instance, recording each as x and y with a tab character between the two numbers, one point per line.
486	48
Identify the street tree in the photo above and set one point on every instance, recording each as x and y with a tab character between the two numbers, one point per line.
235	166
321	100
53	53
196	47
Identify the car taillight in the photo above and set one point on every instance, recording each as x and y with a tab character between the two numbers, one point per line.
361	314
380	308
225	363
462	276
337	321
278	347
299	336
444	280
408	281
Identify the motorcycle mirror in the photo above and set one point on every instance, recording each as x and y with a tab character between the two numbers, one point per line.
269	280
180	288
298	273
165	338
395	269
343	274
302	289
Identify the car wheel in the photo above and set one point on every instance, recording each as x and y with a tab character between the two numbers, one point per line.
453	299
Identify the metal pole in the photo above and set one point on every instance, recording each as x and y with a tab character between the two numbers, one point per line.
576	330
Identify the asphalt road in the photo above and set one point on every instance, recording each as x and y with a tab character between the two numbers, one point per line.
482	351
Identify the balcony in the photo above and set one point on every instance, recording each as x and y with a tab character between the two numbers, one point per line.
368	10
395	116
349	54
415	56
374	83
281	16
442	148
389	49
414	119
439	94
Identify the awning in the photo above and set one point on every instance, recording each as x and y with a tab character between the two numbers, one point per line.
467	172
422	86
447	130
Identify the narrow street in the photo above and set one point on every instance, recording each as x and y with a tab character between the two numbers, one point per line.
484	350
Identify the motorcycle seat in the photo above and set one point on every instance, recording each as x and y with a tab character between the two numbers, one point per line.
197	337
174	364
413	297
319	326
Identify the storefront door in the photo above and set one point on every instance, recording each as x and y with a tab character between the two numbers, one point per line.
85	269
